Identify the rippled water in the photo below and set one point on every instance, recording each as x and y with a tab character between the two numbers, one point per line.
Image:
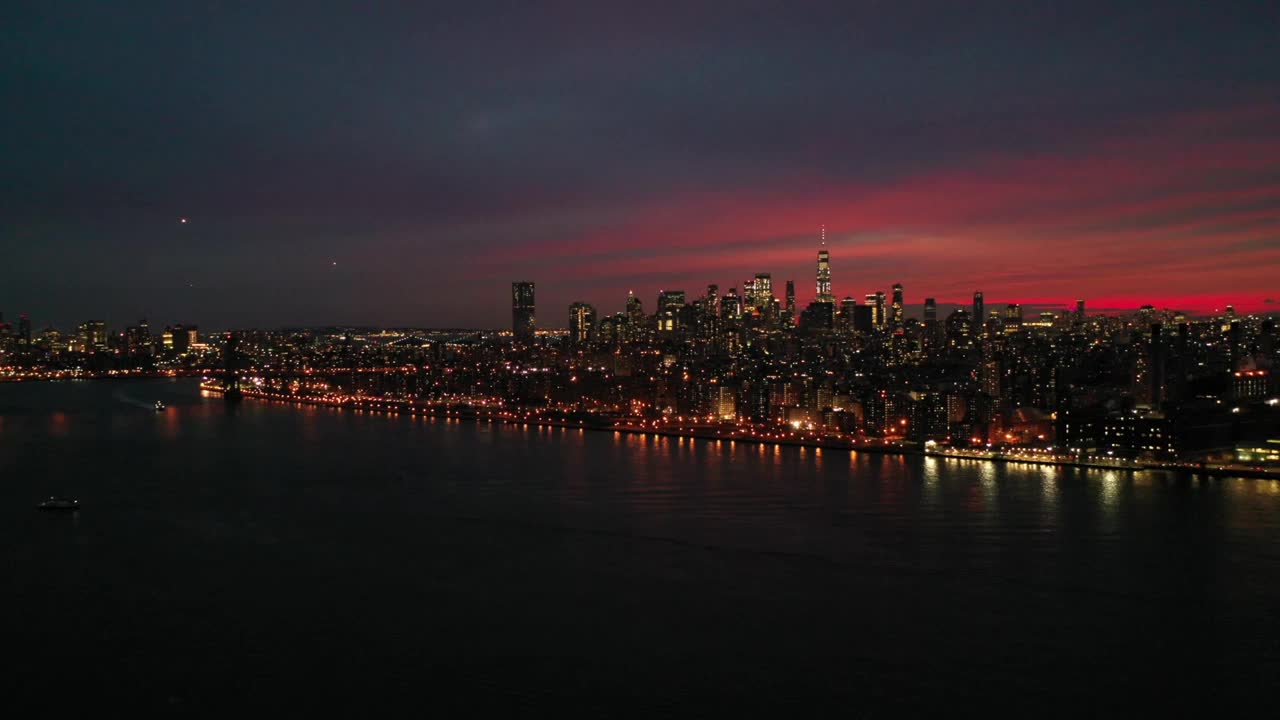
299	554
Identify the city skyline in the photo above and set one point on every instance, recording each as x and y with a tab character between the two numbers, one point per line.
621	357
239	167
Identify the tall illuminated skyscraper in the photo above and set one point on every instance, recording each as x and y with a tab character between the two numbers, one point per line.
582	323
670	304
875	301
763	291
824	273
897	305
1012	318
791	298
523	323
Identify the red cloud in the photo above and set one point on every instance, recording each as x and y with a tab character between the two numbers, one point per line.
1180	213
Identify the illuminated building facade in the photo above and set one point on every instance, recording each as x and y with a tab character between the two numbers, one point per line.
582	324
824	277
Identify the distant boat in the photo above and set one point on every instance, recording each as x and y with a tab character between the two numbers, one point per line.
159	406
59	504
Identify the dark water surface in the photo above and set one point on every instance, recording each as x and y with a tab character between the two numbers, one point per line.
275	556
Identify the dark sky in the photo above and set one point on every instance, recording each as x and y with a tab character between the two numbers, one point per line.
1125	152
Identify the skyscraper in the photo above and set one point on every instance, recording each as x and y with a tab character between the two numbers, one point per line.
897	305
1012	318
181	342
979	316
523	323
1156	365
731	305
138	338
848	311
824	274
932	331
875	301
635	311
92	334
763	291
791	298
670	305
582	323
1080	310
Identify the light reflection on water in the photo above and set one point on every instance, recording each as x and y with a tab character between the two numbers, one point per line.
697	544
830	501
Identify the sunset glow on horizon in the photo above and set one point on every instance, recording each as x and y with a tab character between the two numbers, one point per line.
1128	160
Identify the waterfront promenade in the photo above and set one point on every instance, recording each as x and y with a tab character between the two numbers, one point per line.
688	428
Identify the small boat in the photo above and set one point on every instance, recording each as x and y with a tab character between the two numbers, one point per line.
159	406
57	503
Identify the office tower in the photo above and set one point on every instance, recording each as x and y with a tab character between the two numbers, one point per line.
979	317
763	291
92	334
1080	310
1012	318
882	318
748	296
791	298
181	342
845	318
670	300
864	318
712	300
670	305
875	301
731	305
932	331
959	329
824	276
523	324
582	323
137	338
897	305
635	312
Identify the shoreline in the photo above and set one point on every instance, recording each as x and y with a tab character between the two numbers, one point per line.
126	375
396	407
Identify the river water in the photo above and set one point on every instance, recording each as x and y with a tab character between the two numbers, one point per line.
295	556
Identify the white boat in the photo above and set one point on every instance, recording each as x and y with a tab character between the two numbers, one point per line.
57	503
159	406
